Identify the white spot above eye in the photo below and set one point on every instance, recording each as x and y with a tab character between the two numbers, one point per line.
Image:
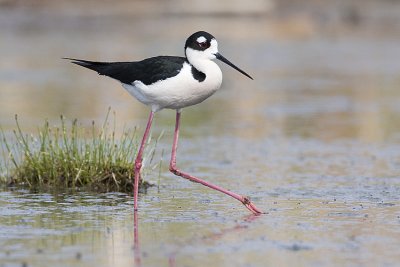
201	39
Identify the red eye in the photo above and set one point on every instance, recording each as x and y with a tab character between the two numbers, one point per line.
204	45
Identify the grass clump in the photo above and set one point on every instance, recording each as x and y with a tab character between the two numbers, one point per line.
71	156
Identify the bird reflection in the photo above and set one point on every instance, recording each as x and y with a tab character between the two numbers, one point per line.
241	225
136	246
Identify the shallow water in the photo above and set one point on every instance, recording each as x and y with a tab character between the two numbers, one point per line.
314	140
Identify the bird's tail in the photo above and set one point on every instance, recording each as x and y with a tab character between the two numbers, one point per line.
96	66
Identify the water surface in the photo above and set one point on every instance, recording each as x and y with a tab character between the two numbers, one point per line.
314	140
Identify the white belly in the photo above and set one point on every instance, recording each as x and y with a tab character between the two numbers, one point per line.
179	91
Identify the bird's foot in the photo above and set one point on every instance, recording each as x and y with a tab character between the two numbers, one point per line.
250	206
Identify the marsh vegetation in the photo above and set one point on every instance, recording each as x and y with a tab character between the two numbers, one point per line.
69	155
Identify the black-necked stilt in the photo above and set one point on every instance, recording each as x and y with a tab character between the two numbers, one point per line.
174	83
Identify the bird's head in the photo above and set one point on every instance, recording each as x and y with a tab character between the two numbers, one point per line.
203	46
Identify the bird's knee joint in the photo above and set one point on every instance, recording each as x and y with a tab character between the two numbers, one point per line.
138	165
173	169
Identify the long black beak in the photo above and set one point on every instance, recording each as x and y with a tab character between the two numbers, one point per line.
220	57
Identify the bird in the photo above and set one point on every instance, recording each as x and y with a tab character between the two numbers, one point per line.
172	82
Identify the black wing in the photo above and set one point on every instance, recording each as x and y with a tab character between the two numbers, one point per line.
148	71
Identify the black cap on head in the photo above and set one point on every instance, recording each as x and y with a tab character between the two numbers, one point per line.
197	43
201	41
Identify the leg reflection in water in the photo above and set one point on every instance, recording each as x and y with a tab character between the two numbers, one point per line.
136	247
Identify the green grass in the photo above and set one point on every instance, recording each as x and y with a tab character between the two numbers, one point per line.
70	156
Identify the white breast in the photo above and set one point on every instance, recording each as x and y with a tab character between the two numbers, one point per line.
179	91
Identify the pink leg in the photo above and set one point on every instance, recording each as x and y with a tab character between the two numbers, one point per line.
172	167
139	159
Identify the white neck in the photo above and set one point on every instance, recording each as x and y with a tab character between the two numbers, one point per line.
204	63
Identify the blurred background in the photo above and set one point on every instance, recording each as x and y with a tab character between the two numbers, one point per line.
314	139
325	69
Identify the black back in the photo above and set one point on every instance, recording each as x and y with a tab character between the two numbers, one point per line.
148	71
